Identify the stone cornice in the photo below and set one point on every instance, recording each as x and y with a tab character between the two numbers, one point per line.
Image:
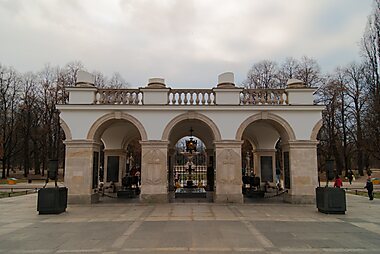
157	89
81	88
301	89
227	87
92	107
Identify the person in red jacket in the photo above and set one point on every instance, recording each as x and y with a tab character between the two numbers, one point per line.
338	182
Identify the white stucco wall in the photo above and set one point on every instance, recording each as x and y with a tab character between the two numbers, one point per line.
154	119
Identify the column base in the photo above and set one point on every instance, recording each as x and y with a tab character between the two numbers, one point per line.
154	198
83	199
299	199
228	198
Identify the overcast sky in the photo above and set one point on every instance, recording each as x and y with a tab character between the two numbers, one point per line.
186	42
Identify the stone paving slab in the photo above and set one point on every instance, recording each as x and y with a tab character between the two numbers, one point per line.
189	228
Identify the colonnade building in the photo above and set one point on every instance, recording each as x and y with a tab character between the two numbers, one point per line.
104	127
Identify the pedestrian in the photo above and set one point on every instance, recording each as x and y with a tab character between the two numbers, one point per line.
338	182
350	176
369	187
278	175
138	174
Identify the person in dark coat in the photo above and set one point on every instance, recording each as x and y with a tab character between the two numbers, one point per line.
350	176
369	187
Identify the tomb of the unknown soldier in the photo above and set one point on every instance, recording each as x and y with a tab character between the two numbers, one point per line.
159	144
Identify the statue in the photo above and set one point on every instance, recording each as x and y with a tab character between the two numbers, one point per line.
248	163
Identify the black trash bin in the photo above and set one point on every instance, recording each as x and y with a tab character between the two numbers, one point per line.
52	200
331	200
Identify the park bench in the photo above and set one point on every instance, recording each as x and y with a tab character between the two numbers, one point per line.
35	177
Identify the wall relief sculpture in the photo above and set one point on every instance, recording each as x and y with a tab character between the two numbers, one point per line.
229	171
153	168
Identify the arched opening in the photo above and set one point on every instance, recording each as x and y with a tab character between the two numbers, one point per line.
191	172
117	160
189	167
265	155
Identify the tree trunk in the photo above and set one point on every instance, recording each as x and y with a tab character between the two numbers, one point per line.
36	156
3	173
359	145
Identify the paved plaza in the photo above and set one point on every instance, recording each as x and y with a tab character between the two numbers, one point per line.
189	228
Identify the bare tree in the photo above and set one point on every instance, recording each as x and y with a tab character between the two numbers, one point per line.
9	84
358	92
371	52
71	70
27	117
117	81
100	80
309	72
330	134
262	75
289	69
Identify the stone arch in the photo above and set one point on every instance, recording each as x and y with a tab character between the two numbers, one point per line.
280	124
66	130
191	116
252	141
104	121
126	141
315	131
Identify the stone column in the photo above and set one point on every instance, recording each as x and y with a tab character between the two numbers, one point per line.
209	152
171	170
210	170
122	154
256	158
265	152
154	171
79	171
228	172
303	171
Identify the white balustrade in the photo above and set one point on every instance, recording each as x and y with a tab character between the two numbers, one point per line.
263	97
119	96
191	97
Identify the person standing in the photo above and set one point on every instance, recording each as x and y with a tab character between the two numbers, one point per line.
138	175
350	176
369	187
338	182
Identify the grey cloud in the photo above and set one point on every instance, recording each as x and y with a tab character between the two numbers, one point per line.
186	42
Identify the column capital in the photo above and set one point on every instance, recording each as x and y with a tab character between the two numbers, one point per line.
264	151
301	144
154	143
82	143
228	143
115	151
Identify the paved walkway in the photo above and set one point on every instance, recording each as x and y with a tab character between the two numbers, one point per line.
189	228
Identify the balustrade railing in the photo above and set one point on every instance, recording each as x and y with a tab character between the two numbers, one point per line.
191	97
263	97
119	96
